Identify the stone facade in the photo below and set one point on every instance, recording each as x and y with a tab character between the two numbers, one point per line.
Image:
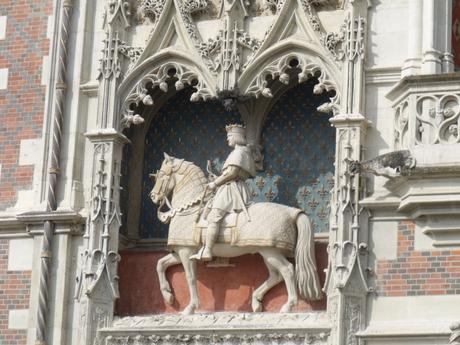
86	88
418	272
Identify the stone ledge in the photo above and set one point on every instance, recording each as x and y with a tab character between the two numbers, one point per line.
312	320
219	328
386	330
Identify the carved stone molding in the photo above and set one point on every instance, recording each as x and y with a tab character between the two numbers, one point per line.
219	328
223	320
212	339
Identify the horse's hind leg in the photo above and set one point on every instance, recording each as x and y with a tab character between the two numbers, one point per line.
286	269
258	295
190	274
162	265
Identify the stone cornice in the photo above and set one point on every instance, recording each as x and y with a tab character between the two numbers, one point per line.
106	134
422	82
31	223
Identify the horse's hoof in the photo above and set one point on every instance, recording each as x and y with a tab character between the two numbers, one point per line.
168	297
256	306
189	310
287	308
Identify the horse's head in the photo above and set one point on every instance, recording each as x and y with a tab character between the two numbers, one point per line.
164	180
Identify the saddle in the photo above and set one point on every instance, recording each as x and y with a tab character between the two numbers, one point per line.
228	230
271	225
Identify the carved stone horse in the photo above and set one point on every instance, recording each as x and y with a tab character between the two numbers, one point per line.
274	231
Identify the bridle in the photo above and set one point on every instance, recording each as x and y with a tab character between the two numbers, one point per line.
162	189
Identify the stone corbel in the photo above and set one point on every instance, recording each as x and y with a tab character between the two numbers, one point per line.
390	165
429	195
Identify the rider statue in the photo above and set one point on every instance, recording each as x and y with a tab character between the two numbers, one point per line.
232	193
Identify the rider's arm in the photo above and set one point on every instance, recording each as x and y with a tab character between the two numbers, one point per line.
230	173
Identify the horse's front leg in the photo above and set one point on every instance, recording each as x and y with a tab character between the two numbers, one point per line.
162	265
190	274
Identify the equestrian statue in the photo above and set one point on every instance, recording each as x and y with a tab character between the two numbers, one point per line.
217	219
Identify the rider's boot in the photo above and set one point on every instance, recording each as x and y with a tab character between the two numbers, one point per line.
205	252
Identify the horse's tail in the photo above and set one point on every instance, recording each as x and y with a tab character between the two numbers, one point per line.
305	268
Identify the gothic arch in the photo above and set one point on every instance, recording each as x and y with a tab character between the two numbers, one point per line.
153	74
275	62
274	71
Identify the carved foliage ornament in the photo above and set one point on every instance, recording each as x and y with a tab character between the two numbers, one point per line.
151	8
348	42
229	339
158	78
132	53
279	69
213	48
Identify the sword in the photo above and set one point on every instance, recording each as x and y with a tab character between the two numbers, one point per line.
200	209
240	199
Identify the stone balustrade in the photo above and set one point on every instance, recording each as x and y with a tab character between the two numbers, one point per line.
426	118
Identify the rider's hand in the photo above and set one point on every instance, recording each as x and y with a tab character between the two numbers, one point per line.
212	186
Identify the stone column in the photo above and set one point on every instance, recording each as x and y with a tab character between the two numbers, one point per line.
346	286
97	281
447	59
431	63
414	52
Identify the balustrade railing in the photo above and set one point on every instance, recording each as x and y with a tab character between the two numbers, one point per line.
427	117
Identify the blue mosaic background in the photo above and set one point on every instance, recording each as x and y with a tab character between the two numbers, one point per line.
299	151
298	141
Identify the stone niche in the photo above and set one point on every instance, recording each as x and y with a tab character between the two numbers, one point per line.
303	185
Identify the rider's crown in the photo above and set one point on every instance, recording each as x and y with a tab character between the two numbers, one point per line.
236	128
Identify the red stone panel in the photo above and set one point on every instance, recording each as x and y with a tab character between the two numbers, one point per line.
435	272
22	103
220	289
14	294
